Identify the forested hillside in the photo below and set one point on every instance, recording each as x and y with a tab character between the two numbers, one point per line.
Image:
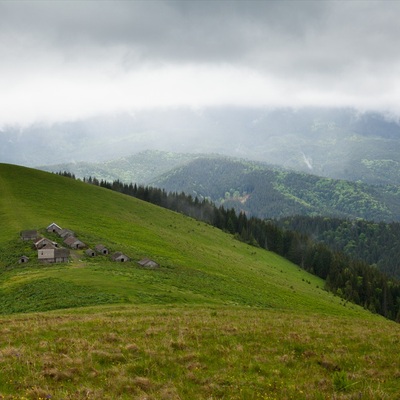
376	243
266	192
350	278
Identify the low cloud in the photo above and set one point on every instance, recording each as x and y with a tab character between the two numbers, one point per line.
68	60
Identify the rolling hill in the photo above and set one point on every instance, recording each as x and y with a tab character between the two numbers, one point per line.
218	318
140	168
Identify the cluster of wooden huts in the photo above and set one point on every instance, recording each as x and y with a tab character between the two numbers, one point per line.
50	252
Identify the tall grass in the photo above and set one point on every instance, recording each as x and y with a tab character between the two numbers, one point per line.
208	352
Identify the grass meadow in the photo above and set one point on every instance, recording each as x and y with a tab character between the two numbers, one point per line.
217	320
196	352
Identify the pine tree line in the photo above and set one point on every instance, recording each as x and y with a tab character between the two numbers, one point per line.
376	243
354	280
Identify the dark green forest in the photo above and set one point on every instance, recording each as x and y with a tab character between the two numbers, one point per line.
266	192
352	279
375	243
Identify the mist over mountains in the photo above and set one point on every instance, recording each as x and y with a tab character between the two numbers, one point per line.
336	143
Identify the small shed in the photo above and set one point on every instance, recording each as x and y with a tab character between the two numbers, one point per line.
101	249
147	263
50	254
61	255
30	235
53	227
46	253
119	257
74	243
23	259
64	233
90	253
42	242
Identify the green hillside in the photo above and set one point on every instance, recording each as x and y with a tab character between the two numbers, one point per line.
199	264
217	319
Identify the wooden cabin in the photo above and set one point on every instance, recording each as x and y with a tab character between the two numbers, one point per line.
119	257
147	263
30	235
53	227
101	249
74	243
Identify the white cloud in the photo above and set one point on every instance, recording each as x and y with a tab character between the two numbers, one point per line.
70	60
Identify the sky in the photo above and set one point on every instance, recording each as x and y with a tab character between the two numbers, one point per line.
69	60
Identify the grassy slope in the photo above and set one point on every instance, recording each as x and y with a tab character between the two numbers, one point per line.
231	321
200	264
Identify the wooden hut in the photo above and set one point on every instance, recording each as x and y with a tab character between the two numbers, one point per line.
64	233
53	227
46	253
74	243
61	255
23	259
40	243
30	235
147	263
119	257
101	249
90	253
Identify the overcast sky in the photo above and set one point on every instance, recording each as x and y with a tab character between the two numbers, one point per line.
65	60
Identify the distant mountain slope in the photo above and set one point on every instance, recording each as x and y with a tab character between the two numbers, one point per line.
268	192
139	168
258	188
335	143
376	243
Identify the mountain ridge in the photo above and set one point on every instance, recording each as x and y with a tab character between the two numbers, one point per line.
267	192
260	189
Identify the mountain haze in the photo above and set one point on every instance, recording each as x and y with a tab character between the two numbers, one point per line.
335	143
140	168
